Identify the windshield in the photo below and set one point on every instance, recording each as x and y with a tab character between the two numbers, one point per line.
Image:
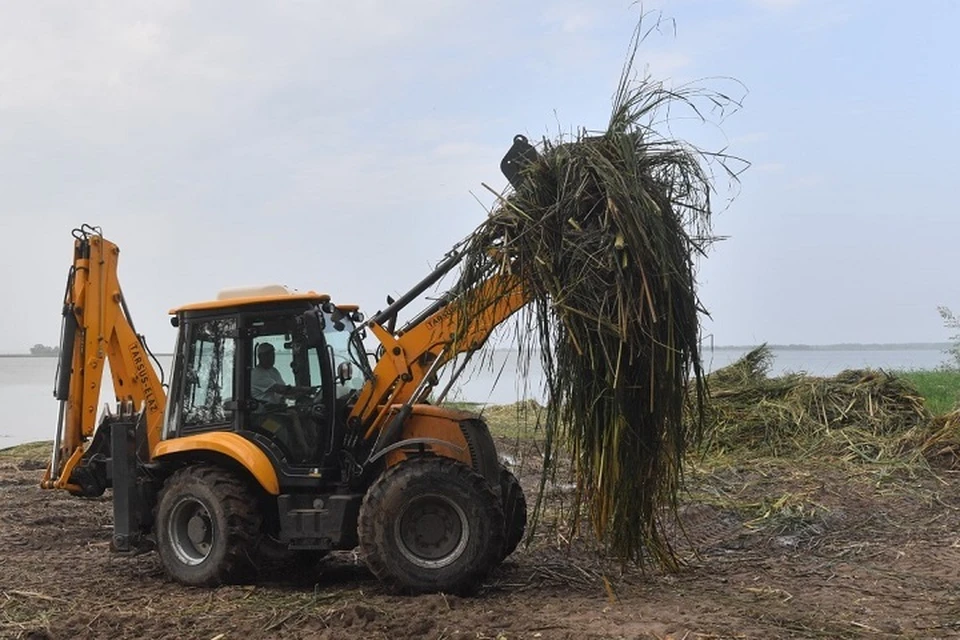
346	346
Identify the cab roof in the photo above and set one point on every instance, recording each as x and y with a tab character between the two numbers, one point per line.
264	294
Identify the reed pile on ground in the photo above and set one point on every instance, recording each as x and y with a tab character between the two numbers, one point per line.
858	414
602	237
940	442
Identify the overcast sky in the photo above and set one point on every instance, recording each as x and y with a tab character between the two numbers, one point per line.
341	147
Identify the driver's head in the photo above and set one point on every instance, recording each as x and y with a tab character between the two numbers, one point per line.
266	355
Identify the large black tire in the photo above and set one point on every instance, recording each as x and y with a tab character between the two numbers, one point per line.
514	511
207	526
431	524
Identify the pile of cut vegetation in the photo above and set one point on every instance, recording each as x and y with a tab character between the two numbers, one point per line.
940	443
601	234
866	415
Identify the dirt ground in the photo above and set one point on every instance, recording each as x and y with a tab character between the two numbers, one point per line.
784	550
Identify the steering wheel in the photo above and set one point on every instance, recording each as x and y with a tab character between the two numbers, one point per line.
301	393
298	395
310	399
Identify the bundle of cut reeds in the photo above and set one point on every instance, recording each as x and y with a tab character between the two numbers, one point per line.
603	235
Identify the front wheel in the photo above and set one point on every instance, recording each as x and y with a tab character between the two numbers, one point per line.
207	526
431	524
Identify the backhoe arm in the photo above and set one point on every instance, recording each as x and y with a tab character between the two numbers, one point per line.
97	328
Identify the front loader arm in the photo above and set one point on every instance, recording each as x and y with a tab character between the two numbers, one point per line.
98	329
412	355
460	322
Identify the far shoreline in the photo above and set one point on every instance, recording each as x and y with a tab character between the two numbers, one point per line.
841	346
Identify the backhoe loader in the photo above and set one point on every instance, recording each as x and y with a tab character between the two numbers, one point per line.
278	434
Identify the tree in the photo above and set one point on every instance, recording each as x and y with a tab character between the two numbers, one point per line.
950	321
43	350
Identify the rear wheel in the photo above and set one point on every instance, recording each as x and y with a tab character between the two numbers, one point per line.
431	524
207	526
514	511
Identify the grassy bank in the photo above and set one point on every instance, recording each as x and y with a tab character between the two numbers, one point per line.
29	451
940	388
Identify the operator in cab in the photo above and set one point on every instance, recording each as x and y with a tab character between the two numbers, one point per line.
266	383
268	387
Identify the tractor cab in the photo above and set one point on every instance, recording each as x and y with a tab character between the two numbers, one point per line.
278	367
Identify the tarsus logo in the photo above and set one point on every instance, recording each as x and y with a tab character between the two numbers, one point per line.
143	376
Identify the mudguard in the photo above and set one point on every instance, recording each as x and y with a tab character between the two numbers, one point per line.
449	433
246	453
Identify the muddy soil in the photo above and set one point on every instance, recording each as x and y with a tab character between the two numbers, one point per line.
774	549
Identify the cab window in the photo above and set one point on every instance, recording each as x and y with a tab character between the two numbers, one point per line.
344	346
209	372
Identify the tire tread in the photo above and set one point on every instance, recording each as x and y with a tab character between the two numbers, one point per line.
373	519
243	522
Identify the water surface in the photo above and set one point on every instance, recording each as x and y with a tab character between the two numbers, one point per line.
30	410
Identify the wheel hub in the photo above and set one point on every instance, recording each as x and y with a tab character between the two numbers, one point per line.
198	530
432	531
190	530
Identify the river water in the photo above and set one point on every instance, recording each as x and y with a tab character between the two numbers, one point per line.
30	410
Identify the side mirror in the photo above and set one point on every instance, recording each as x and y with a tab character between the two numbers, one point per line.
344	372
312	323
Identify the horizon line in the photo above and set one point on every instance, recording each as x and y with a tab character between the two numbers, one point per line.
791	346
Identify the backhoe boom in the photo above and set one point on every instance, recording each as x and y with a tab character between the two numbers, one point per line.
98	330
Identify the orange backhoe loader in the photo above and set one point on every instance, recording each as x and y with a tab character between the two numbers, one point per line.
279	435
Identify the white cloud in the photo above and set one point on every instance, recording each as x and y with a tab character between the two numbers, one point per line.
138	59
